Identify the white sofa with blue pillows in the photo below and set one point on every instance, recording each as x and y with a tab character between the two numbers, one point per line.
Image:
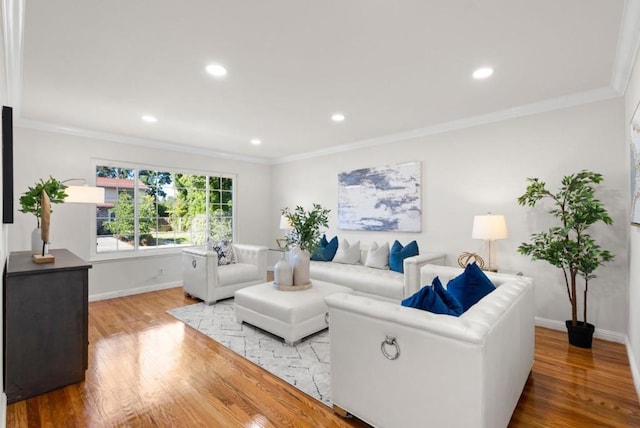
378	282
439	370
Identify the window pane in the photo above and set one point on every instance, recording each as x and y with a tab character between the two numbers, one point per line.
171	209
226	184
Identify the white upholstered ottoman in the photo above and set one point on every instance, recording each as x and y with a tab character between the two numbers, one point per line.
291	315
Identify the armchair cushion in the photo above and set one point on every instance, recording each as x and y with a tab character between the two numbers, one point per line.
470	286
434	298
327	250
398	253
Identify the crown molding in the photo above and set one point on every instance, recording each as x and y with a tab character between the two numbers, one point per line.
117	138
13	40
627	47
525	110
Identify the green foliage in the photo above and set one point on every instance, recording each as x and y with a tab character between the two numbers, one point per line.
306	226
569	246
31	200
124	225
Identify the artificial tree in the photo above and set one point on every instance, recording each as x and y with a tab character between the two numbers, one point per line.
569	246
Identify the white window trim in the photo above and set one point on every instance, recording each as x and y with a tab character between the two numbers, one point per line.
137	253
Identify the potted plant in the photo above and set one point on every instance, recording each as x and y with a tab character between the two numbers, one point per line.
31	202
304	237
569	246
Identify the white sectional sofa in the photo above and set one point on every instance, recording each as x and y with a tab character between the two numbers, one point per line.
461	372
379	283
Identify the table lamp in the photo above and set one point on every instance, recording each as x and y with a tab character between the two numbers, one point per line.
490	227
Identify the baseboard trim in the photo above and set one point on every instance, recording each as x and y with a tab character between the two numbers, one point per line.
3	410
635	372
609	335
132	291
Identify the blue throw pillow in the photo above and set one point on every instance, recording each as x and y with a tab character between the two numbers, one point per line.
429	298
455	308
398	253
326	251
470	286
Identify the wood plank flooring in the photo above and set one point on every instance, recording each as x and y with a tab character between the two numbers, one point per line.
148	369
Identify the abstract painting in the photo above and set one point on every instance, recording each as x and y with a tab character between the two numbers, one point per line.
635	168
383	198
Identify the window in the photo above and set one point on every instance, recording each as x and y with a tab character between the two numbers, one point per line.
153	209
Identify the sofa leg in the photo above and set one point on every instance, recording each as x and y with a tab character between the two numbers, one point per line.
341	412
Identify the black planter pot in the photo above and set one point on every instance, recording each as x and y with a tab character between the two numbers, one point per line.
580	335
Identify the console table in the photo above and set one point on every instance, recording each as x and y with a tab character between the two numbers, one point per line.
45	312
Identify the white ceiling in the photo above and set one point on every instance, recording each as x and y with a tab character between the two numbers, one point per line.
392	67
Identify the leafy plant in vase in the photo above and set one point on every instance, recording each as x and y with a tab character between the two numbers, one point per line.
31	202
568	246
304	237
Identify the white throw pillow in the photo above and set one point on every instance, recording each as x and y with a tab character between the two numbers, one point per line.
347	254
378	256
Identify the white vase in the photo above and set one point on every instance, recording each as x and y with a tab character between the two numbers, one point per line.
283	272
36	241
301	264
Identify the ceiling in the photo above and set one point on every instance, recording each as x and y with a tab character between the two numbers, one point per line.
393	68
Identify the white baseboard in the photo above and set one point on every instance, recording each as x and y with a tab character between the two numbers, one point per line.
3	410
635	371
132	291
611	336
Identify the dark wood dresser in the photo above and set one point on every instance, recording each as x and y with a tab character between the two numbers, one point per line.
45	312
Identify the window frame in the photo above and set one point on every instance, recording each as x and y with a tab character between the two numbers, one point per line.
137	167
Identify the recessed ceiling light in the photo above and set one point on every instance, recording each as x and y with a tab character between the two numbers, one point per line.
149	119
256	142
483	73
337	117
216	70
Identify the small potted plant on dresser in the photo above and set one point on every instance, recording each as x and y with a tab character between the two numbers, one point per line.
568	246
31	202
304	238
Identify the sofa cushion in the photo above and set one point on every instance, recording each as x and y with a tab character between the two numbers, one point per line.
378	256
398	253
434	298
347	253
470	286
384	283
326	250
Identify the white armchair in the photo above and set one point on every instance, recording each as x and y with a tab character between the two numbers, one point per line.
394	366
204	279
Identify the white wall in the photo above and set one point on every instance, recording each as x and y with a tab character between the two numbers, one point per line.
633	348
39	154
483	169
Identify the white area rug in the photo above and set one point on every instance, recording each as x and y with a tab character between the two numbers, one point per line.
305	365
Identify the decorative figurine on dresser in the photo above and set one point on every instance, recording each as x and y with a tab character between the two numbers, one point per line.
45	308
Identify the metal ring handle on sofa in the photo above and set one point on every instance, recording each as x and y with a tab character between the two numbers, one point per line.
390	341
326	318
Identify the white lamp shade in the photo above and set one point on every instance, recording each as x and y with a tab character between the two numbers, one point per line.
84	195
284	223
489	227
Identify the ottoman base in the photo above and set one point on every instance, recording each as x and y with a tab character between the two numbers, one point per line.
292	315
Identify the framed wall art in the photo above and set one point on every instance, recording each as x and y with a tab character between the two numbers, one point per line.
385	198
635	168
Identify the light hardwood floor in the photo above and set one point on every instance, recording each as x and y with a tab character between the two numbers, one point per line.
148	369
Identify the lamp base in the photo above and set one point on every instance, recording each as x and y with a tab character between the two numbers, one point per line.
40	259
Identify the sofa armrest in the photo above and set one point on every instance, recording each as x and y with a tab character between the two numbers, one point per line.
412	266
252	254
